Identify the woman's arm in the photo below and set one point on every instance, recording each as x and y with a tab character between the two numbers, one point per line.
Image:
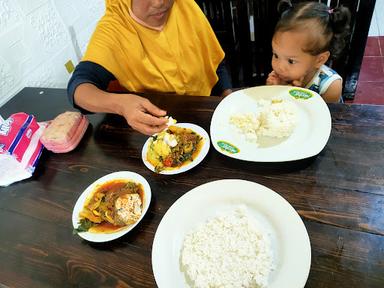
88	72
86	90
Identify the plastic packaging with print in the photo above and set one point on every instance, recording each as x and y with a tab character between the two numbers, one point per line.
20	147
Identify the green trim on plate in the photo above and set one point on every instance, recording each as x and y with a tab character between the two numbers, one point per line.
228	147
300	94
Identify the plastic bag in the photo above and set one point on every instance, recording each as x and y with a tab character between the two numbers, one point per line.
20	147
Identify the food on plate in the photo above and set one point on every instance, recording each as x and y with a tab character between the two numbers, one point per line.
64	133
173	148
274	118
111	206
171	121
230	250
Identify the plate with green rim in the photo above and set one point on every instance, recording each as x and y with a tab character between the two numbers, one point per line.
308	138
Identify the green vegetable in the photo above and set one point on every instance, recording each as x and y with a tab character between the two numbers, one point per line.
84	226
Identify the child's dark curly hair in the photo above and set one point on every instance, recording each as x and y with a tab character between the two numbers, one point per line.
328	28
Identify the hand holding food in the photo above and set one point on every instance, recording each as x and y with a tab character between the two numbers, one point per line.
142	115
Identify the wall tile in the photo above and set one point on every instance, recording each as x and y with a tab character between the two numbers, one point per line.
374	28
10	15
35	41
29	6
379	10
9	81
82	23
48	27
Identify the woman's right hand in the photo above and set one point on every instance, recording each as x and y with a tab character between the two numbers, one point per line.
142	115
139	112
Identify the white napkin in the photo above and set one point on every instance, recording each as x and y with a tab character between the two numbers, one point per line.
11	170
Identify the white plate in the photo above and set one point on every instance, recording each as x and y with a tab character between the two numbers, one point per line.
203	152
289	238
308	138
103	237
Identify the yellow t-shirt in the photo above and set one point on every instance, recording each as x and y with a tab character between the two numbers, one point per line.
182	58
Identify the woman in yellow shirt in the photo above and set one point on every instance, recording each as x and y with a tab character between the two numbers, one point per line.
148	46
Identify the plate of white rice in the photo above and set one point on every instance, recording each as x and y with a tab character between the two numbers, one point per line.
231	233
271	124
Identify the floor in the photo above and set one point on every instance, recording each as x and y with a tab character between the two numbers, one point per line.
371	77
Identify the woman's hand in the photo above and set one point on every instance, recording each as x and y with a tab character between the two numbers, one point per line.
139	112
142	115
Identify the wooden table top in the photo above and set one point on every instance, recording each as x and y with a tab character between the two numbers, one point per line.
339	195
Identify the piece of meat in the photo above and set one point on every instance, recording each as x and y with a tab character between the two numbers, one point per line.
128	209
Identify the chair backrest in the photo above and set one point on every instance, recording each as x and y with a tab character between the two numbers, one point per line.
245	28
222	16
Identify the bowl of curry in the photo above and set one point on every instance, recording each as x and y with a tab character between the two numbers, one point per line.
111	206
176	149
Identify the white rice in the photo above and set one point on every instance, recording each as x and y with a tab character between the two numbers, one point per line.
230	250
275	118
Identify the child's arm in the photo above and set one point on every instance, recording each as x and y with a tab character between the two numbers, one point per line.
333	93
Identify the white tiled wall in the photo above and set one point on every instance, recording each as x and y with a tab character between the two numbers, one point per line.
377	23
37	38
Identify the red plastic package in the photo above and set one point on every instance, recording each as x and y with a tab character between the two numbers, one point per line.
20	147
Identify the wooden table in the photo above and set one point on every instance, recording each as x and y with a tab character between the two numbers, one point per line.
339	194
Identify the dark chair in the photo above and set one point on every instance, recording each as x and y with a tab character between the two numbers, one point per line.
245	28
222	16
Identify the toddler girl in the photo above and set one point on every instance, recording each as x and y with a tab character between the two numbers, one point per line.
307	34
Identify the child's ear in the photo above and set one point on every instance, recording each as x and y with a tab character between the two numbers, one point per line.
322	58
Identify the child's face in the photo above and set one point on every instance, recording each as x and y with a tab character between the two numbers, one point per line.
289	60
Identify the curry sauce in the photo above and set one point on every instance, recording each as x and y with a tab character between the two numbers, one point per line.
112	206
